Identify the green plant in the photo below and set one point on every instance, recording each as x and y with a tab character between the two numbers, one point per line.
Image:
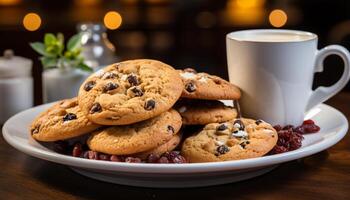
53	53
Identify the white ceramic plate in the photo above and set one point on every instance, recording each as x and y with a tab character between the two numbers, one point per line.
333	128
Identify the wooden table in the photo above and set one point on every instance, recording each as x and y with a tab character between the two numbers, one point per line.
325	175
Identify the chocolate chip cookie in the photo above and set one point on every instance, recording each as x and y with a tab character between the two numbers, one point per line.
202	112
129	92
206	86
135	138
233	140
63	120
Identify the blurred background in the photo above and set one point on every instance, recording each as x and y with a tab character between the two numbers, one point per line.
183	33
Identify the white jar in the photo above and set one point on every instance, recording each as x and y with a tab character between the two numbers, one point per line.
16	85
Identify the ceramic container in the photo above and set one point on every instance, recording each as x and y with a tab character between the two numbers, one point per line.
275	71
16	85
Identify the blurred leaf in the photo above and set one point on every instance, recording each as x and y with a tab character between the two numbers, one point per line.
74	42
60	38
84	67
48	62
39	47
49	39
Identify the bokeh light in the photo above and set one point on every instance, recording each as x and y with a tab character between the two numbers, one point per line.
112	20
278	18
31	21
249	3
9	2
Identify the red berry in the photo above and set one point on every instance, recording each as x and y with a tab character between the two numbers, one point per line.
309	121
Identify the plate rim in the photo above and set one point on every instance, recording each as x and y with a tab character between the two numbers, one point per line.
175	168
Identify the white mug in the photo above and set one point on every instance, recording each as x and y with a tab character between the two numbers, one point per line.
275	70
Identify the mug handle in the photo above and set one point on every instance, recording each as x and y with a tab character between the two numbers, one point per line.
322	93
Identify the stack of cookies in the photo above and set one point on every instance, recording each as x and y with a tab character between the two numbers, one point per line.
133	108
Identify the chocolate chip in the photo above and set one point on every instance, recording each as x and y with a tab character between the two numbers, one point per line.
244	144
132	79
171	129
240	123
190	87
96	107
259	121
221	127
137	91
35	130
222	149
190	70
69	116
150	104
110	86
89	85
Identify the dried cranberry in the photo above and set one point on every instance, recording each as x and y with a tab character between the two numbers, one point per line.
152	158
277	127
85	154
103	156
310	128
77	150
93	155
278	149
132	160
288	127
61	147
309	121
299	129
163	160
115	158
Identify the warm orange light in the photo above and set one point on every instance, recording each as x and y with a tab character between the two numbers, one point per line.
9	2
278	18
249	3
244	12
87	2
31	21
112	20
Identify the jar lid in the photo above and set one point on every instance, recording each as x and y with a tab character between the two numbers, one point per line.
14	66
